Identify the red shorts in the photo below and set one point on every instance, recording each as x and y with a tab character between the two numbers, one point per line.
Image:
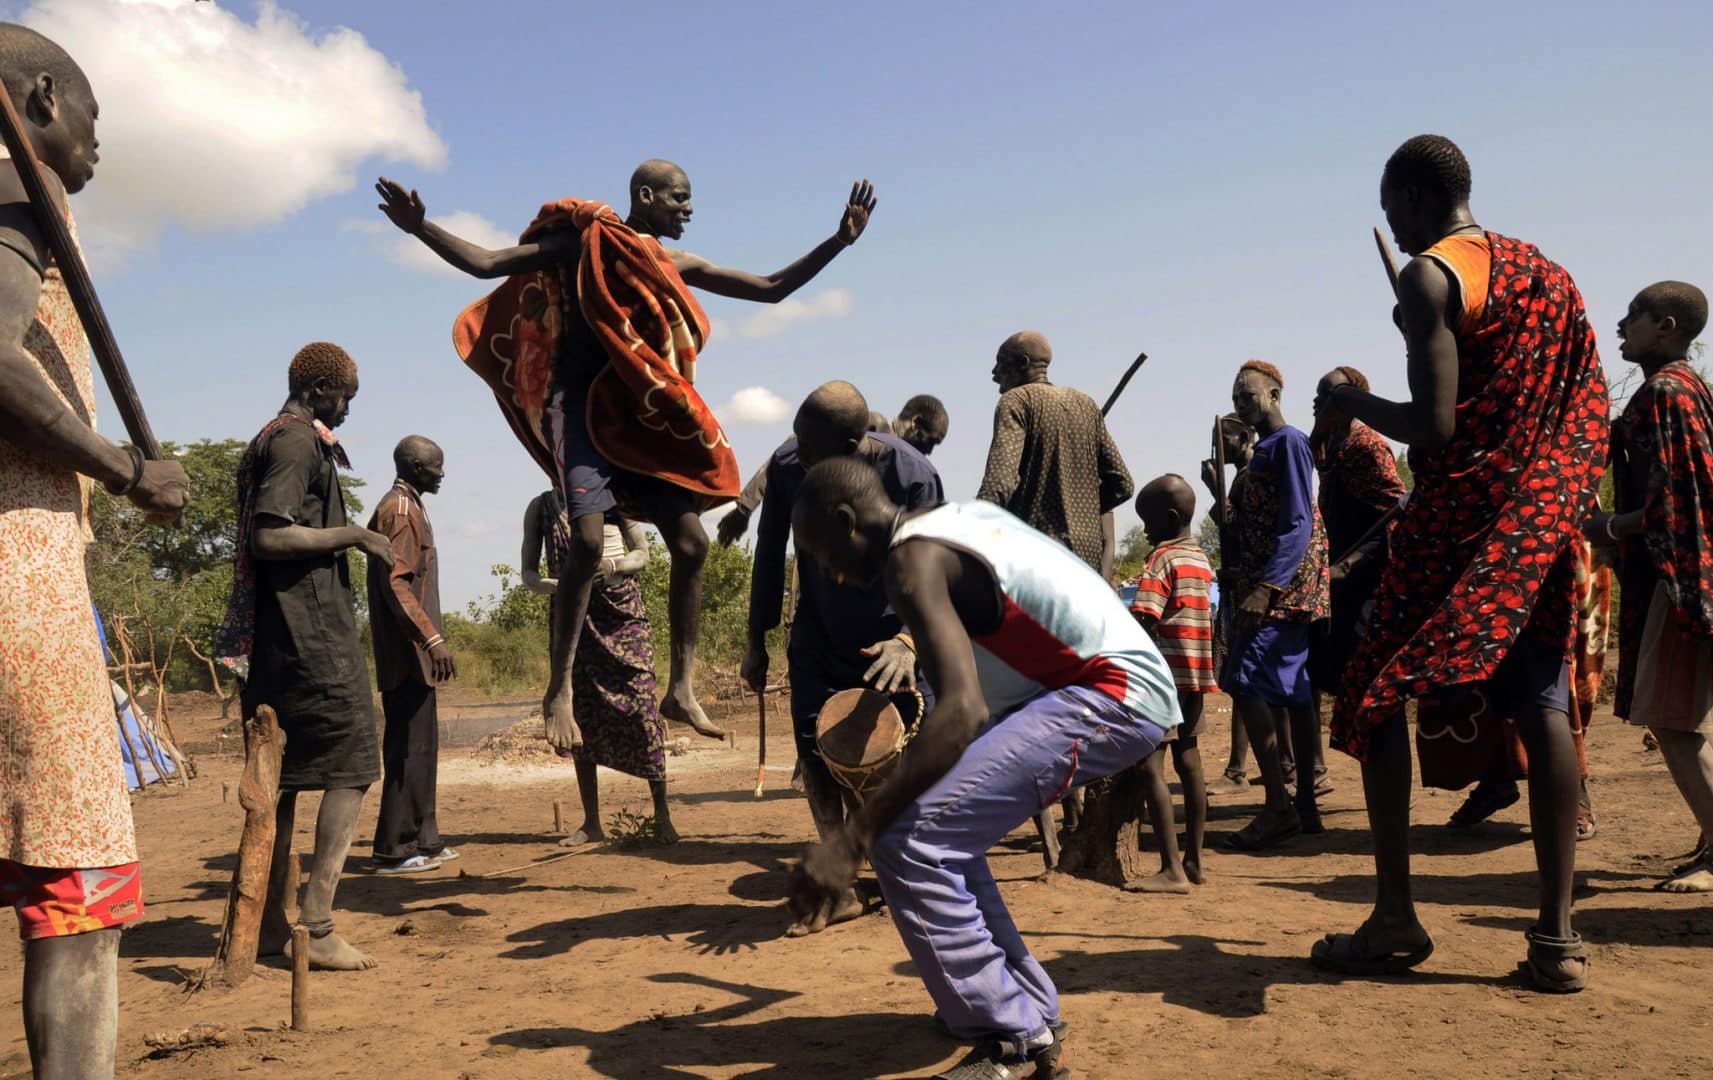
60	903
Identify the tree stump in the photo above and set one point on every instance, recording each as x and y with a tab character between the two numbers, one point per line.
258	794
1107	846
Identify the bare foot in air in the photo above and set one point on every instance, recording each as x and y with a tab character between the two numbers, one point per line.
1163	882
848	908
680	704
589	833
334	953
563	733
1192	870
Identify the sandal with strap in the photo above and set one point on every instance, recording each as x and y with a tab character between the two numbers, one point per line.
1348	954
1548	955
1257	836
1485	801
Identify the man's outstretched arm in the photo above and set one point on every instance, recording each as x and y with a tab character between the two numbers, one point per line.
772	288
405	210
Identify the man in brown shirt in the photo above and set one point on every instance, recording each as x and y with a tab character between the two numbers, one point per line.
411	659
1052	461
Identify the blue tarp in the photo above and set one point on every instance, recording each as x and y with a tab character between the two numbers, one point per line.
133	732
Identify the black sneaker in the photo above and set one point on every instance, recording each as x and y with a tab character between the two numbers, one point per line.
994	1059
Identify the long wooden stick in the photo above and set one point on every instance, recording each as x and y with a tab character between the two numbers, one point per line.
761	744
1387	258
77	283
1112	399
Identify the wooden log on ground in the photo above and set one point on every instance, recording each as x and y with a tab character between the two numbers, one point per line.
1107	846
258	794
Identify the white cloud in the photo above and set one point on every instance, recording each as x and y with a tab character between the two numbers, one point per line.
830	304
753	406
212	122
409	252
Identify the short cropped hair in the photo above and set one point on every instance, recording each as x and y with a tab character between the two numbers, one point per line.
1679	300
841	480
321	360
1352	376
24	54
1432	163
1262	367
928	411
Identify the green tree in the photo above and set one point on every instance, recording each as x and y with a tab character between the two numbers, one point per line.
173	584
1133	552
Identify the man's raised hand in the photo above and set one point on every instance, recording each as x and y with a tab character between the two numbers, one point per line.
857	210
402	208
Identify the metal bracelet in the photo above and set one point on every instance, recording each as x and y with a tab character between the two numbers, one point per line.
136	474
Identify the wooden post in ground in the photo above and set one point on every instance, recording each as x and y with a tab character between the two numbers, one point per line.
258	794
559	817
1106	847
300	978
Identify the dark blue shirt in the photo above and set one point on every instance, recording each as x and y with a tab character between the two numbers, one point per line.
837	616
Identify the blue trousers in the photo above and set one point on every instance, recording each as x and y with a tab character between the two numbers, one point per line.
932	861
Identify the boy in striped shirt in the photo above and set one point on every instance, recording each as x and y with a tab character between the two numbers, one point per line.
1172	604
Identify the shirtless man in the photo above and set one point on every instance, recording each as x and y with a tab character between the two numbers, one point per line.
68	854
1043	679
659	207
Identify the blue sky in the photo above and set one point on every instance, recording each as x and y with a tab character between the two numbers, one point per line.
1196	181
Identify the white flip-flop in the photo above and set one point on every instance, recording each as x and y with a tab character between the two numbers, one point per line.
416	864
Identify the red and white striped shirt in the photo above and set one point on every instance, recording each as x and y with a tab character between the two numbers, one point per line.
1173	589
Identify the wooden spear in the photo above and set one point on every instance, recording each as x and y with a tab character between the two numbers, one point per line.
1386	257
1112	399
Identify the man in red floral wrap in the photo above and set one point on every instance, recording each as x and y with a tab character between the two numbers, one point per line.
1506	425
590	348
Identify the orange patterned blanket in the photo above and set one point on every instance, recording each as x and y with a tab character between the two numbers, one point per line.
644	413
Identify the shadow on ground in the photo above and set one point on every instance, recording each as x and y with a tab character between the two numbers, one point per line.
672	1047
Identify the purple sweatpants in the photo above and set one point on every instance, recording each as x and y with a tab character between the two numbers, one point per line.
932	861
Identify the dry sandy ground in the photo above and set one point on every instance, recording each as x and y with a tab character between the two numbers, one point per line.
670	963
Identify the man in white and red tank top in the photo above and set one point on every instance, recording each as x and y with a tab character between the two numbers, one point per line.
1044	681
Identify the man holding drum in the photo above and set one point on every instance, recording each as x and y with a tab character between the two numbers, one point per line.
845	634
1043	680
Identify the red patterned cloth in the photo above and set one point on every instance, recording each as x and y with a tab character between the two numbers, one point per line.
1664	430
644	414
1487	543
1359	482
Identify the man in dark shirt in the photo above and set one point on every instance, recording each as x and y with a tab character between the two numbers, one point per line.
292	586
844	635
1052	461
922	422
411	658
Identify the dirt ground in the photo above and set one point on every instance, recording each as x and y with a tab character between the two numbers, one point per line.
669	962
